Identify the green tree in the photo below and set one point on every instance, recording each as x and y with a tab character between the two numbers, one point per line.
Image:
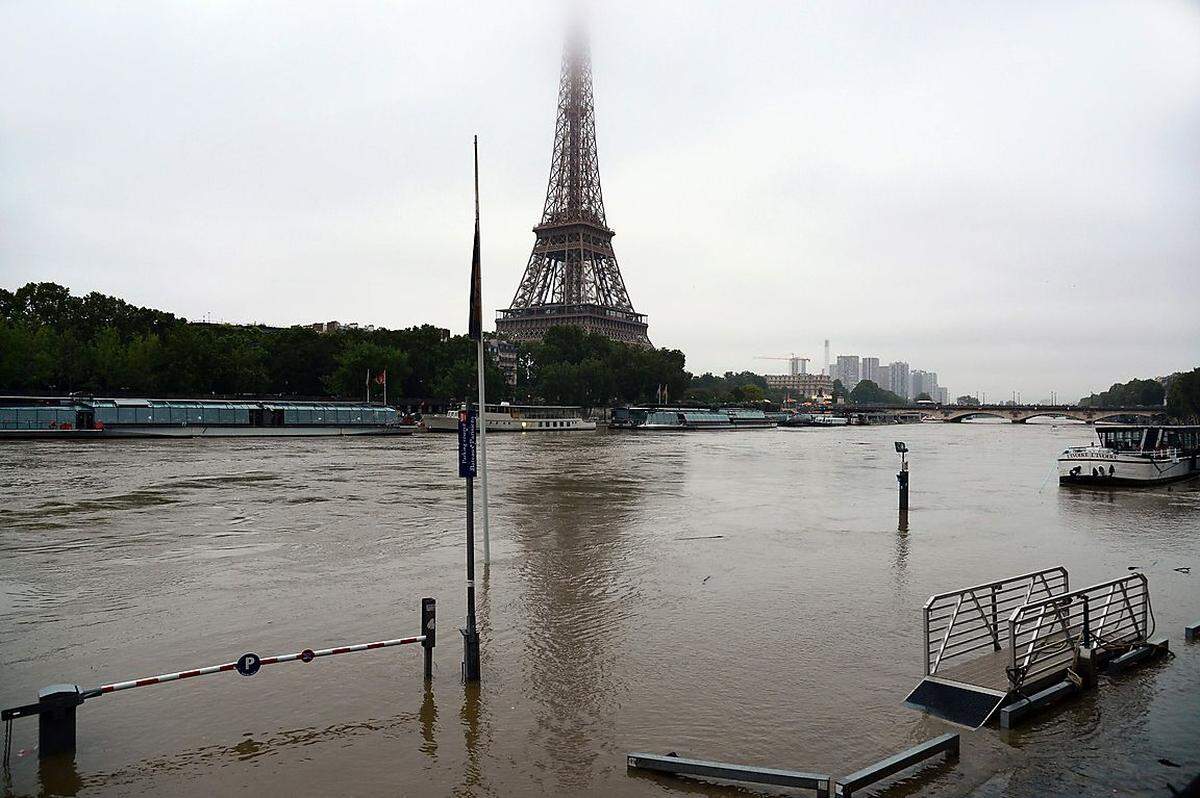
572	366
866	392
1183	397
349	379
1135	393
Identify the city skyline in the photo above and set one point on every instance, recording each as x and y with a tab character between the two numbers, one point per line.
974	186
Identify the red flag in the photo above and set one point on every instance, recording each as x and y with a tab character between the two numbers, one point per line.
381	378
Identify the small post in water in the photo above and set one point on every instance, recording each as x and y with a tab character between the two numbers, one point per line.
902	478
429	629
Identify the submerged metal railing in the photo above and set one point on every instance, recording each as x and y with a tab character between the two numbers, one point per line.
1044	635
961	623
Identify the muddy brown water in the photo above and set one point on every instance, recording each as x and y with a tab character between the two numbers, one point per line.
736	596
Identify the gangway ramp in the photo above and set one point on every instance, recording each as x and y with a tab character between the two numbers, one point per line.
967	650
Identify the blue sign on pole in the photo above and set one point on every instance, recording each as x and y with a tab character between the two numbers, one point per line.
466	444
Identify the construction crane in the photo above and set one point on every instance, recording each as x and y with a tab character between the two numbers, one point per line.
796	365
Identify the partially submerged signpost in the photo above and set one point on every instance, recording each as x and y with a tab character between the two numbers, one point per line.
467	455
466	470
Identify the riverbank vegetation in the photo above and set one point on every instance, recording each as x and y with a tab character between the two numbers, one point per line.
572	367
1179	392
1135	393
54	343
867	392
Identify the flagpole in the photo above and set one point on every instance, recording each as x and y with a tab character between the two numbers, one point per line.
479	361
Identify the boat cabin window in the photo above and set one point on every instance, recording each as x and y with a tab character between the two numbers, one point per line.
38	417
1187	438
1122	440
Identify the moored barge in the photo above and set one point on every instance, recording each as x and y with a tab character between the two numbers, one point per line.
1133	455
49	419
688	418
519	418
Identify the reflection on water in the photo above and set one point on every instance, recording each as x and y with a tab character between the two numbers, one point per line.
575	552
748	596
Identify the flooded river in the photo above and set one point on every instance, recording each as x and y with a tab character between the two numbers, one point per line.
737	596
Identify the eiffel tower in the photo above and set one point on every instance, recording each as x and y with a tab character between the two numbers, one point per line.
572	277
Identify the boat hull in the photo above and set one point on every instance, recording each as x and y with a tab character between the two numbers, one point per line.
1109	468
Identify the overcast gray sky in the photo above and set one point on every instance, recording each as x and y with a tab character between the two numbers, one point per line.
1007	193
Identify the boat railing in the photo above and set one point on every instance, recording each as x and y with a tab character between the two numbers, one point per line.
963	623
1171	453
1044	635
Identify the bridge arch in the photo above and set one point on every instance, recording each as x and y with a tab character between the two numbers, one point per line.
963	416
1098	415
1053	414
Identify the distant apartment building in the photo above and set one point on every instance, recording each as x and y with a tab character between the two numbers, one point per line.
847	370
896	377
870	369
898	381
801	386
943	396
924	382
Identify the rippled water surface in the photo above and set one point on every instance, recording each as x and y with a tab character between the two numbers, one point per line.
737	596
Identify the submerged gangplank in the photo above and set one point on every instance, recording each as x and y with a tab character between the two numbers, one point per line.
990	645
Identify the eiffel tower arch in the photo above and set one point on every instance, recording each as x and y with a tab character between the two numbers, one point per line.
572	277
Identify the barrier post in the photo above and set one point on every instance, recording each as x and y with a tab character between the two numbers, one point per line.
56	719
429	629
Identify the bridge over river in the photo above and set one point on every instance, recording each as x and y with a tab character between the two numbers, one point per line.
1019	414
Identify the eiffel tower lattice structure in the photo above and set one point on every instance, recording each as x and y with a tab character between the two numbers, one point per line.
572	277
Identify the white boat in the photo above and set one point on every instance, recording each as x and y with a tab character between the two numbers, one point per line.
505	417
1133	455
815	420
688	418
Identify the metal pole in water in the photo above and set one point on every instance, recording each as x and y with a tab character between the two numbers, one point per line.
902	478
483	493
470	633
467	453
475	329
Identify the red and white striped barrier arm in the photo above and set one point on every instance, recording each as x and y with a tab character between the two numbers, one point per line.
307	655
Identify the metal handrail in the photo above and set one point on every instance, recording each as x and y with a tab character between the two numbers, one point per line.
972	616
1044	635
1173	452
999	582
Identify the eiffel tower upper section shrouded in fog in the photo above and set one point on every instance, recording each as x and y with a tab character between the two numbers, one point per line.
572	277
